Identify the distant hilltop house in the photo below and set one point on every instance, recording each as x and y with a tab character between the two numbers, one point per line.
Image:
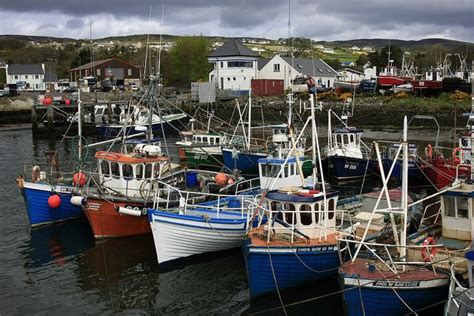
328	50
121	71
347	64
31	77
234	66
286	69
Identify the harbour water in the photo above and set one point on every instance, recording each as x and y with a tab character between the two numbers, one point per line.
60	269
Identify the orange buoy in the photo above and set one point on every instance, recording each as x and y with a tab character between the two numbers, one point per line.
54	201
221	179
79	179
47	101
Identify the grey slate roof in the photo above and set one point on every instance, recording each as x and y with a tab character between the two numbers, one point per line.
25	69
262	62
233	47
305	66
50	76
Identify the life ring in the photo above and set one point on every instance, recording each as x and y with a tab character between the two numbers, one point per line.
428	253
456	158
429	151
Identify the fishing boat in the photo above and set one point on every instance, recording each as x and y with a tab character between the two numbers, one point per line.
443	171
135	119
201	148
47	191
347	158
379	279
195	228
298	243
391	76
432	83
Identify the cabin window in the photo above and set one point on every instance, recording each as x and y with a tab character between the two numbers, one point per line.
105	168
127	171
351	138
449	207
115	170
285	172
317	208
139	171
462	207
157	170
290	213
346	139
276	210
148	170
332	208
305	215
464	142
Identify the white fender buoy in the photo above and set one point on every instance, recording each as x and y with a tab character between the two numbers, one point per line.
78	200
129	211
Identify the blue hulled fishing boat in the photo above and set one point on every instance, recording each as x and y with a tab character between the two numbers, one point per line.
380	279
298	244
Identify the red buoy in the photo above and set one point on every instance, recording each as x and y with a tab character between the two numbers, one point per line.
67	101
221	179
54	201
79	179
47	101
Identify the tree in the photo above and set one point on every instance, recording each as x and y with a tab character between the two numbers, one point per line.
189	60
380	58
334	63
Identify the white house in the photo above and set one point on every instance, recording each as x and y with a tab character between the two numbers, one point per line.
348	74
27	76
234	66
280	67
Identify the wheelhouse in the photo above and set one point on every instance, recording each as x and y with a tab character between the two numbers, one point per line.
275	174
457	211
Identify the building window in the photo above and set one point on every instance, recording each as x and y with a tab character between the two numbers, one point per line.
36	77
276	68
129	71
37	86
98	72
16	76
222	64
26	76
240	64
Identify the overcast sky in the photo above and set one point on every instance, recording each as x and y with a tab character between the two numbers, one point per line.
318	19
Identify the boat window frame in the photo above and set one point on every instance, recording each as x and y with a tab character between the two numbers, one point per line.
127	171
138	174
107	163
116	174
310	212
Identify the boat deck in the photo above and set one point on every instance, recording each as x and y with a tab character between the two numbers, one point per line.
360	267
259	239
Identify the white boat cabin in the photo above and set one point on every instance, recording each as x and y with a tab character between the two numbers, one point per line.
463	153
345	142
270	168
303	210
458	213
130	174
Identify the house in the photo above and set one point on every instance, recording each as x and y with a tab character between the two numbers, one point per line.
347	64
51	80
122	71
26	76
355	48
286	69
348	74
328	50
234	66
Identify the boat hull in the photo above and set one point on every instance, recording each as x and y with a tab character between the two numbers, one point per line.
415	174
178	236
390	81
287	265
106	221
197	160
442	172
247	162
36	199
109	130
382	300
346	168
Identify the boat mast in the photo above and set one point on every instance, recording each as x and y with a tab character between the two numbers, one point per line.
79	124
403	233
250	118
